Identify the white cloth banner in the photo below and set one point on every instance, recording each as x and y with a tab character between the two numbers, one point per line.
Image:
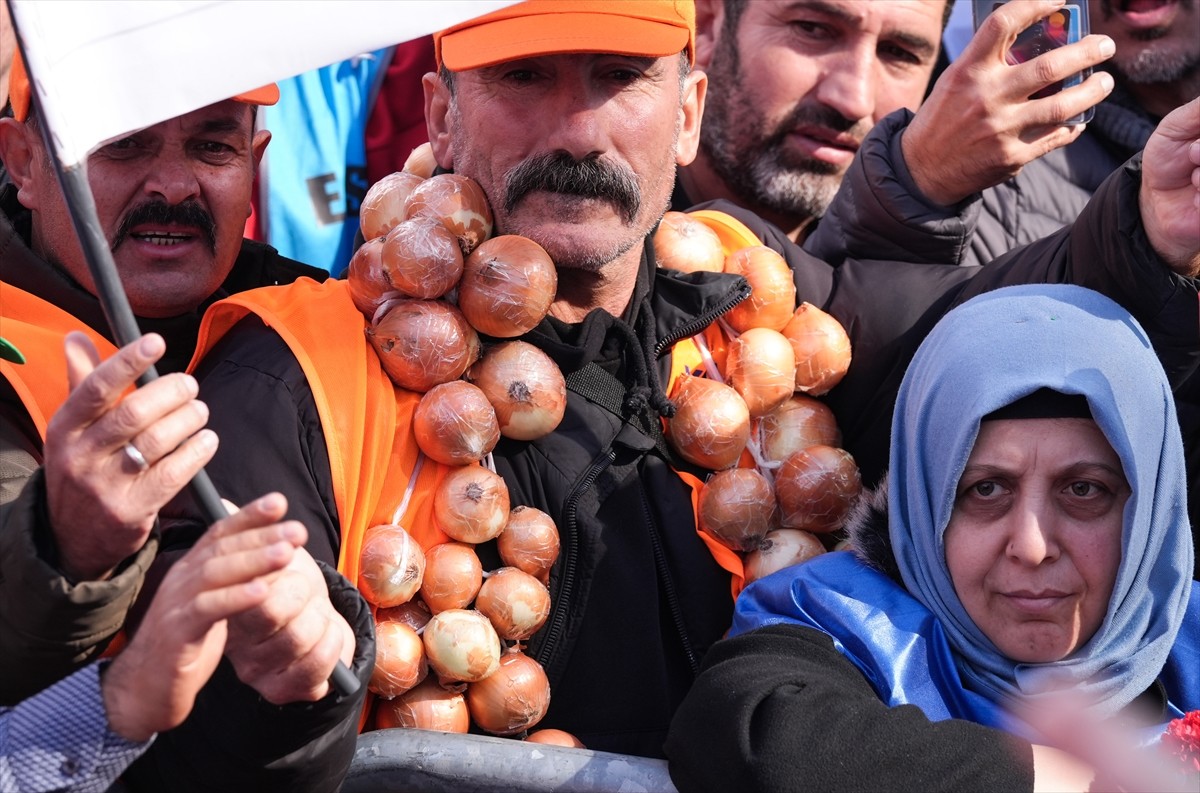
104	68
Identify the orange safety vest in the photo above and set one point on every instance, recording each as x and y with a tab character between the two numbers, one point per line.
38	328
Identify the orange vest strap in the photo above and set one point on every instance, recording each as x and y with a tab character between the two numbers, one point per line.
367	422
37	328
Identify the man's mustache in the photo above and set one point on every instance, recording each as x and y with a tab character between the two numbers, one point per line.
590	177
160	213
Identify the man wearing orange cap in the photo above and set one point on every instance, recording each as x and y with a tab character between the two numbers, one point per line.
88	466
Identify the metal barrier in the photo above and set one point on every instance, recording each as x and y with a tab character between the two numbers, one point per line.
422	761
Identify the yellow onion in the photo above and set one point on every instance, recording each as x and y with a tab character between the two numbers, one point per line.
516	603
422	343
779	549
420	161
421	258
391	565
822	349
399	660
711	424
453	576
414	614
773	292
461	645
761	366
365	276
386	203
552	737
512	699
471	504
455	424
456	201
795	425
507	286
736	507
525	386
816	488
529	542
428	706
684	243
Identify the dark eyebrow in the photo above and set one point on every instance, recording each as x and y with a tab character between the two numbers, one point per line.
921	46
220	125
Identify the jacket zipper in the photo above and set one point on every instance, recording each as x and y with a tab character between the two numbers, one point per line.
700	323
668	584
559	604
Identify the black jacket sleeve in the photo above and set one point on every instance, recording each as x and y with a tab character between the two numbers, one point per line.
236	741
780	709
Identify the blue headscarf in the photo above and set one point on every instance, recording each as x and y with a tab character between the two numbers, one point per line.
988	353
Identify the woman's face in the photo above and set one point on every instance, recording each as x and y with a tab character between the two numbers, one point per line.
1034	540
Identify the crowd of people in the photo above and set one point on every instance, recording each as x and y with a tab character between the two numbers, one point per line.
1022	297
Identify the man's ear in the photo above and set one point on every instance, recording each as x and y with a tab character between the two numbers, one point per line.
710	18
438	104
691	111
17	152
258	146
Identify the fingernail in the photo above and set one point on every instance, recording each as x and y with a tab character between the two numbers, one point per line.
1107	47
207	440
190	384
150	345
1106	82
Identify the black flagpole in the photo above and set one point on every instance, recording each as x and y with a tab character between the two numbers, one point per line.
81	206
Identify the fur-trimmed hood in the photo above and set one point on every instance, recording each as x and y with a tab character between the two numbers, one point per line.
867	530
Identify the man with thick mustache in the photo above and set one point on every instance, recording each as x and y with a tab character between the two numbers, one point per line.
87	463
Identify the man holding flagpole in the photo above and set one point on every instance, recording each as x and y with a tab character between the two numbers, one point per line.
89	466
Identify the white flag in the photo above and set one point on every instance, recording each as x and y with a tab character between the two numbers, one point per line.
104	68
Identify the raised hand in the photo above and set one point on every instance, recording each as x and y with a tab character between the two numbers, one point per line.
1170	193
152	685
979	127
113	457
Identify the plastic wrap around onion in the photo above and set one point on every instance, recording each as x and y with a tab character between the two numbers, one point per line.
552	737
428	706
507	286
711	424
421	161
736	507
386	203
414	614
525	387
391	565
684	243
471	504
795	425
365	276
779	549
773	292
529	542
422	343
761	366
822	349
816	488
456	201
421	258
399	660
516	603
453	576
512	699
455	424
461	645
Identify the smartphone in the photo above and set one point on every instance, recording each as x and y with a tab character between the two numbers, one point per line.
1067	25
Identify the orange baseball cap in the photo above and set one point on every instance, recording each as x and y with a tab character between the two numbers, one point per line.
648	28
19	91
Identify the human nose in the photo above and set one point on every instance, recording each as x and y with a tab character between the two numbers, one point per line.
173	179
576	124
1031	536
849	83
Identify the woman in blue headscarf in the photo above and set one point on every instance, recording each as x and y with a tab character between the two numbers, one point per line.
1032	541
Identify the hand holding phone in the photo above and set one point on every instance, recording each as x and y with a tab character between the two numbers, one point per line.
1066	25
